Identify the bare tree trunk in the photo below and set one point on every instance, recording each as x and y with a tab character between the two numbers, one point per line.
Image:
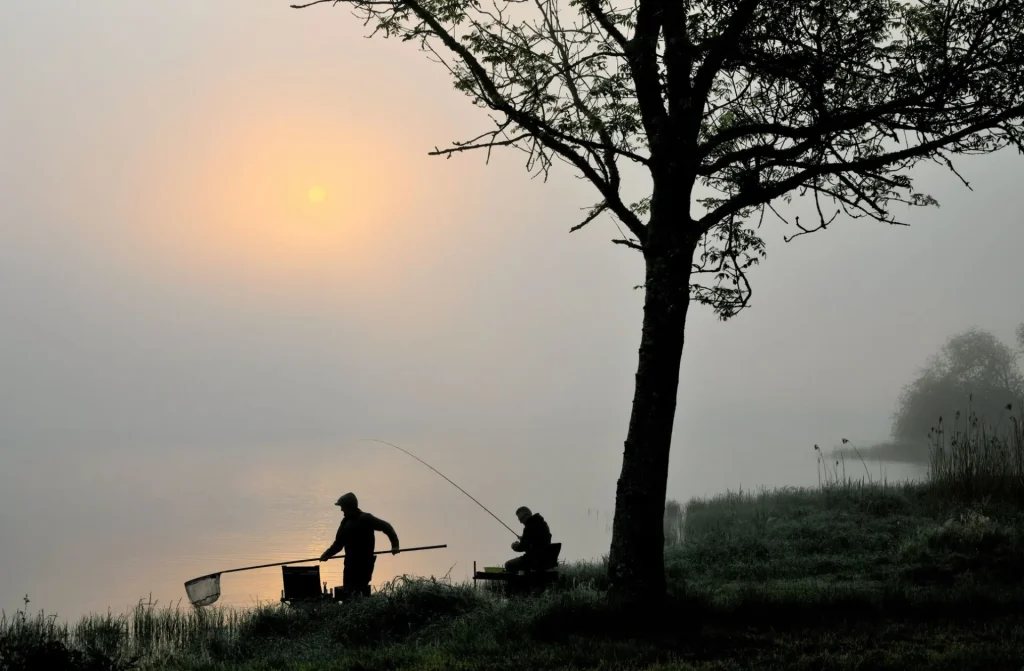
636	562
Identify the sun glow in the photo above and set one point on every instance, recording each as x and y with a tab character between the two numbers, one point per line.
317	194
281	198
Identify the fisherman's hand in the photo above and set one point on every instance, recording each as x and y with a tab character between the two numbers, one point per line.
324	557
516	546
395	550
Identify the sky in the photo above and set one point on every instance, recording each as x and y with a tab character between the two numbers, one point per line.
182	324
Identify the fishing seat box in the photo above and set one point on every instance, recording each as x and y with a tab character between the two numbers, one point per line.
548	573
301	583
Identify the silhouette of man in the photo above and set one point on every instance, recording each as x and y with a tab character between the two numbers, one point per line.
355	536
535	539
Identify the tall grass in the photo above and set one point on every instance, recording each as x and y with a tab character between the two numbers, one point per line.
977	459
114	641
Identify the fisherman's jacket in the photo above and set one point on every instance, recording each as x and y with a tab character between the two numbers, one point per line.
356	536
536	534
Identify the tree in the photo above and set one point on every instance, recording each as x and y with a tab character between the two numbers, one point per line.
973	367
749	100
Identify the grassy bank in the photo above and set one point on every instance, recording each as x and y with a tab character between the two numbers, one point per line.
850	575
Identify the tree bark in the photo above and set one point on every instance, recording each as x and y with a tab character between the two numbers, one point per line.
636	562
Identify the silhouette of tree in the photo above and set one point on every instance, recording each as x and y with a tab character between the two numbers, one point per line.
751	101
974	368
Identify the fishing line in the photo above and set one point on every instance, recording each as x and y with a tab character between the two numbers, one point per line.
446	478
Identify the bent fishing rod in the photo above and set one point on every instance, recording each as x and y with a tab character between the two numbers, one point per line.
376	440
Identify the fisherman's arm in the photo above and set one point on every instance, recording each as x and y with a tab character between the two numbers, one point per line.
524	543
387	530
336	546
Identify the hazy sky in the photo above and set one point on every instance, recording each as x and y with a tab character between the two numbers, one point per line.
167	288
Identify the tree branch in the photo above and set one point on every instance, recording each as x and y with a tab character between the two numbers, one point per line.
642	51
595	212
811	134
611	168
628	243
772	191
315	2
594	7
721	46
534	125
683	105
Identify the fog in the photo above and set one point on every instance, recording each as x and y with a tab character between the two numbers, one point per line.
190	348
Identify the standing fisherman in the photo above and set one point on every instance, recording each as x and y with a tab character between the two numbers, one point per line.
355	536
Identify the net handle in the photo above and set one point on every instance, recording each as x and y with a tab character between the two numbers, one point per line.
302	561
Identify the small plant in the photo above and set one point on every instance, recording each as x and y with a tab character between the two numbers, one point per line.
832	469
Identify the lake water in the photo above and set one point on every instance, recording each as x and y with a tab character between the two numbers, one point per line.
98	529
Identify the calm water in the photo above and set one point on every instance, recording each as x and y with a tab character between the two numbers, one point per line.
94	530
82	533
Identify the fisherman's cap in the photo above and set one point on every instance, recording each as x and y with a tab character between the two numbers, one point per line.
348	500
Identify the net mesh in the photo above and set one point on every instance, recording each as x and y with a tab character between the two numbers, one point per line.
203	591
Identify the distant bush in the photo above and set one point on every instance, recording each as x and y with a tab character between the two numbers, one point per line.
973	366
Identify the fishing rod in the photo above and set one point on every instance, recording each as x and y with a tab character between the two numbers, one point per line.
446	478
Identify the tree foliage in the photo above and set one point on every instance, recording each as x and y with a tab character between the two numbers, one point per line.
751	101
973	368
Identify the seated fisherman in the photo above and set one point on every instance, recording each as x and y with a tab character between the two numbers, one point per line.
534	541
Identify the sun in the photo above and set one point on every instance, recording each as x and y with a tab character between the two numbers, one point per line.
317	194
